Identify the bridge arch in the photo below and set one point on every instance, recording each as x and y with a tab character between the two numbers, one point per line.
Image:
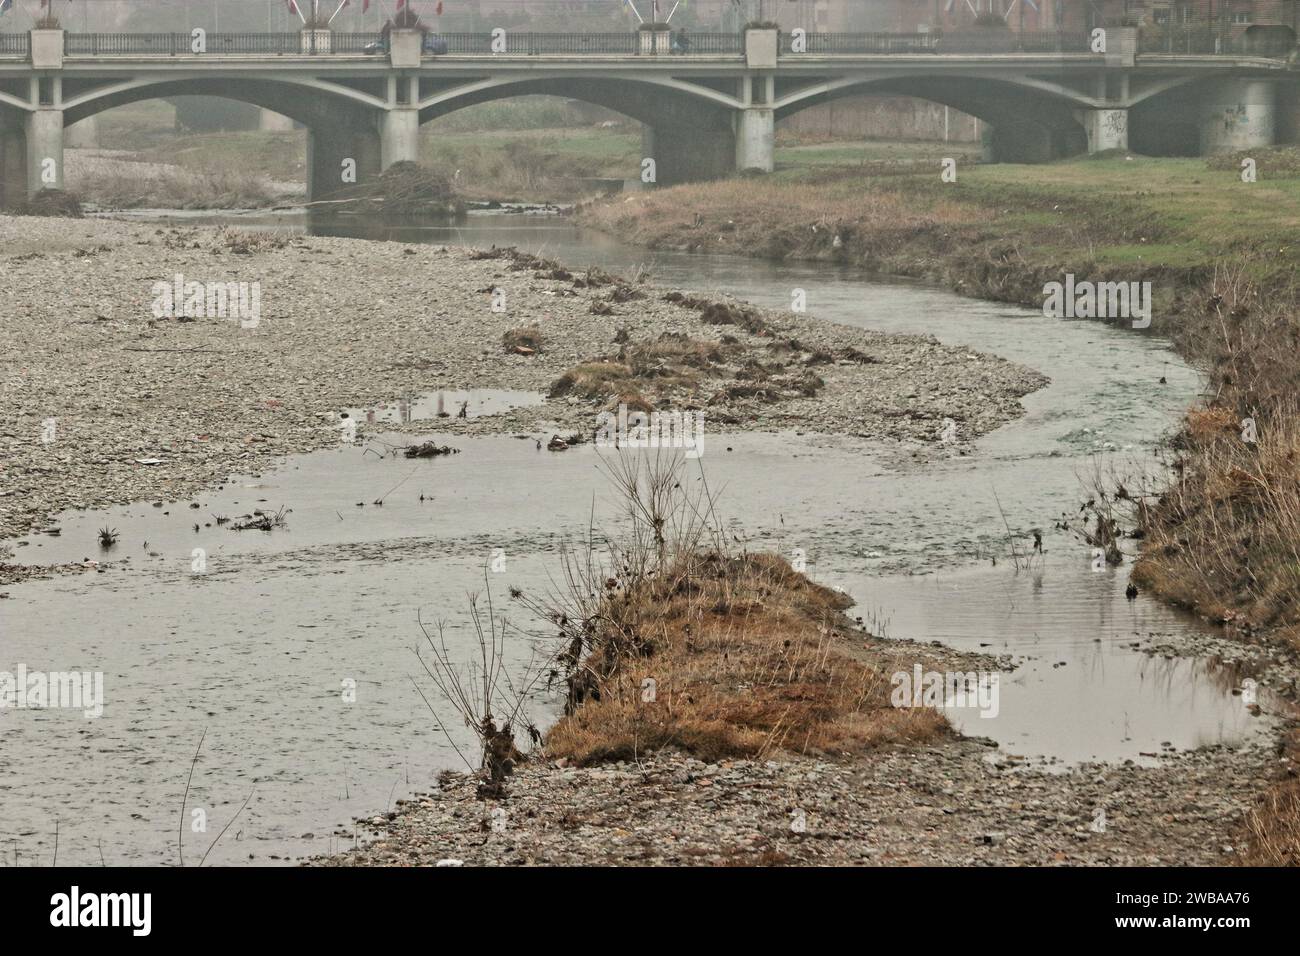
688	128
307	100
343	122
1032	119
651	99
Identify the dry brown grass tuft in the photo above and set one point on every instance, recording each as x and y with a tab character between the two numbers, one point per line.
676	643
595	380
677	371
526	340
645	375
745	658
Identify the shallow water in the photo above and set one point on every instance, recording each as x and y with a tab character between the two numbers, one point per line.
255	648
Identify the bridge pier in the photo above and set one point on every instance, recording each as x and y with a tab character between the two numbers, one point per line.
1105	128
44	150
690	156
1238	114
328	148
399	136
13	165
756	139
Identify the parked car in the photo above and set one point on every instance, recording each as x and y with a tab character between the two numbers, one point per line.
432	44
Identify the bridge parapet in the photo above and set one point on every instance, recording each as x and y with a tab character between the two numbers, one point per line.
1123	42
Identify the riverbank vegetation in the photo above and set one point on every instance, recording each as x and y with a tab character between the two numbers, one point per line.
1000	231
1221	256
1222	535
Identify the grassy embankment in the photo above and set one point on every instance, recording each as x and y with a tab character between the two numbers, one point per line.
1223	538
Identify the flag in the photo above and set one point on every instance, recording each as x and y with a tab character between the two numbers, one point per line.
438	8
4	6
400	4
365	6
293	7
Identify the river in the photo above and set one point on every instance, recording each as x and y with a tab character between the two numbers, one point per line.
257	655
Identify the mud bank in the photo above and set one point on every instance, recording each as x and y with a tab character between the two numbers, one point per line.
106	403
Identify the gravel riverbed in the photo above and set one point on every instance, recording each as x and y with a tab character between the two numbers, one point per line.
959	803
105	403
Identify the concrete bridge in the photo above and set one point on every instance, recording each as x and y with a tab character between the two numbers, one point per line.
706	112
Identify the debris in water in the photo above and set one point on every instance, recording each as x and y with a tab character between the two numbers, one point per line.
560	444
429	450
261	520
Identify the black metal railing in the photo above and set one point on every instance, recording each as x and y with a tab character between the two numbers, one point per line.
15	44
1196	38
258	43
100	44
831	43
179	44
937	41
518	43
354	42
1209	39
715	44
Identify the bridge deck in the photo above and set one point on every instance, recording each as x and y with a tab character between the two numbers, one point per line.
1197	43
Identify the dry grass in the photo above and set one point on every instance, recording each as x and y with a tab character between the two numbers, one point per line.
746	659
677	371
594	380
1224	540
774	219
1273	827
675	642
122	186
526	340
